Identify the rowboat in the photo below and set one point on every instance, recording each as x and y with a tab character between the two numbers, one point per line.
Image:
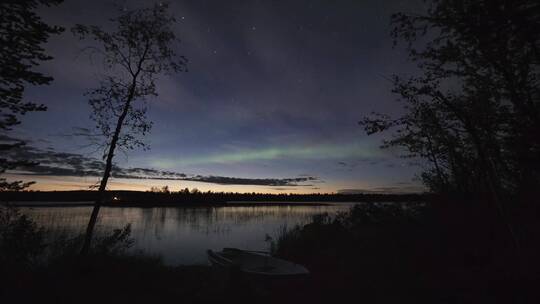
255	263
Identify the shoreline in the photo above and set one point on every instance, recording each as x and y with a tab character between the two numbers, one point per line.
33	204
120	199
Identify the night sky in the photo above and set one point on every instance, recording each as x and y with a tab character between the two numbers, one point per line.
271	101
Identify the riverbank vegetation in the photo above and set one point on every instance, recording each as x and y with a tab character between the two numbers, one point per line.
444	252
39	267
425	252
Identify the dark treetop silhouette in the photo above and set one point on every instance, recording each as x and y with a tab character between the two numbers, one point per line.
474	114
138	51
22	34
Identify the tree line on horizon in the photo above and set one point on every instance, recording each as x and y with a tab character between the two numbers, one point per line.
194	197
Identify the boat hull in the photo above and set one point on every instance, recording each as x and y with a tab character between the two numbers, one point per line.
255	263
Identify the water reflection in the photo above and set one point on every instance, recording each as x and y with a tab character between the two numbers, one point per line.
182	235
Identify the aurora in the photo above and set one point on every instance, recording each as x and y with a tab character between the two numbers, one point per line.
276	95
316	152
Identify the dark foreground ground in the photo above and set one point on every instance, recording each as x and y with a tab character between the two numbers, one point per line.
424	253
377	253
140	280
123	282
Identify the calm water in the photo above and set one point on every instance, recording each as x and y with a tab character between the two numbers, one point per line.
182	235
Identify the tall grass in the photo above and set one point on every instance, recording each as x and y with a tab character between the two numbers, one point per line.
395	253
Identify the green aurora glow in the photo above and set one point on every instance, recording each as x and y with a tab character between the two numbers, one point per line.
319	152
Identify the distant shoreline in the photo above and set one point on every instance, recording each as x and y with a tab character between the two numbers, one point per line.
31	204
189	199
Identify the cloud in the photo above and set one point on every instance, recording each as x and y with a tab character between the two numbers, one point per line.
400	189
298	181
52	163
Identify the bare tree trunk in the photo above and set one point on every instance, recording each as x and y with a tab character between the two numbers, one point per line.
107	173
442	180
494	188
487	167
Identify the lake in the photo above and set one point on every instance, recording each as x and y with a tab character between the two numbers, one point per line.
181	235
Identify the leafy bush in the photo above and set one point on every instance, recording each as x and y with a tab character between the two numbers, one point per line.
24	245
367	238
105	244
21	241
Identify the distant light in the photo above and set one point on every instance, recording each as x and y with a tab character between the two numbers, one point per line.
115	198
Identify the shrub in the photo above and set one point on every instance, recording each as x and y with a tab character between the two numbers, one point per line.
21	240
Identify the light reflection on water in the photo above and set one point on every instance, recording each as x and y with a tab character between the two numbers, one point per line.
181	235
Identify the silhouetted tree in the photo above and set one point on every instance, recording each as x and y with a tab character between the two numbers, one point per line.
22	33
138	51
165	189
474	113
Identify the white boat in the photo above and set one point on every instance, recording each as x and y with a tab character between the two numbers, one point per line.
255	263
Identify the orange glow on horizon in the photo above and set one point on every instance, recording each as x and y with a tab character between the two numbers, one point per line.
65	183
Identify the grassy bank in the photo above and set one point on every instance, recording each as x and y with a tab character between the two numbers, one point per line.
415	253
37	269
376	253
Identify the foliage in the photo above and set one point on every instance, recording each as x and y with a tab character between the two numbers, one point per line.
49	265
22	33
409	253
25	246
9	143
114	243
134	55
474	112
326	236
164	189
21	241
